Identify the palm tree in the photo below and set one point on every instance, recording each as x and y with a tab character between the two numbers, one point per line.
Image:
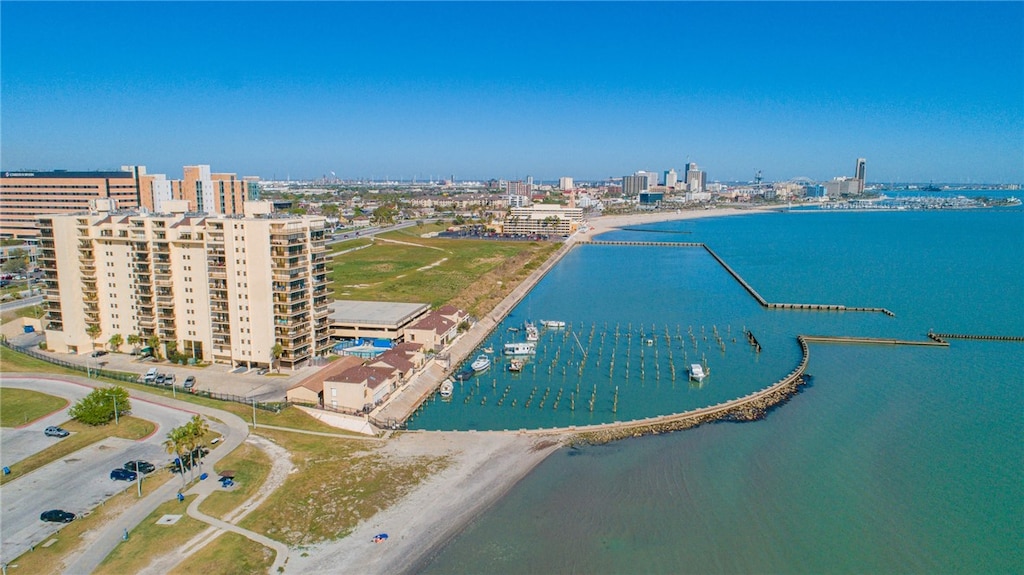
115	341
94	330
134	340
276	352
197	428
175	444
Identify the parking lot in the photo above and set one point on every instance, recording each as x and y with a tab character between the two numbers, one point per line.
78	482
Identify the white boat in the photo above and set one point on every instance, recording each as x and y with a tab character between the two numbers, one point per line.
516	365
532	334
552	323
481	363
446	388
697	372
520	348
488	349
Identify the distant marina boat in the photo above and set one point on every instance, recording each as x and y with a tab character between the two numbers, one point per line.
552	323
488	349
481	363
520	348
446	388
516	365
697	372
532	334
464	375
513	329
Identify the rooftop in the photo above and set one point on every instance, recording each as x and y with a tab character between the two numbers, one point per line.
375	312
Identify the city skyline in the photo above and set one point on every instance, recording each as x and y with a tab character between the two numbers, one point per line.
925	91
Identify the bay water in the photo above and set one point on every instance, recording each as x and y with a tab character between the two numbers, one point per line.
895	459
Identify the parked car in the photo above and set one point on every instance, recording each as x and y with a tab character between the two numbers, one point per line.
190	383
54	431
262	371
150	375
99	353
57	516
121	474
161	379
140	466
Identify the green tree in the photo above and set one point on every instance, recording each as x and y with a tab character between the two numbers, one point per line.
197	430
383	215
154	343
115	341
134	340
17	261
99	406
95	331
176	445
276	353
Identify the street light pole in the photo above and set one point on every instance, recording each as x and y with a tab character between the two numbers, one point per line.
254	411
115	411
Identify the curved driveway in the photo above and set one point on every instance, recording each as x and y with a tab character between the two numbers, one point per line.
81	481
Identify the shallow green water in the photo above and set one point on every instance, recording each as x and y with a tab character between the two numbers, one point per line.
895	459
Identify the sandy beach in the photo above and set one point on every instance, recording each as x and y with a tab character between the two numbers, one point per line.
483	467
602	224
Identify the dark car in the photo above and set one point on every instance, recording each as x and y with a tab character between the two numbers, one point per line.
160	379
123	475
54	431
99	353
57	516
140	466
190	382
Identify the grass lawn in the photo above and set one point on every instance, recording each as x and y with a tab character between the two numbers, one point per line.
339	482
148	540
51	559
81	436
251	466
12	361
468	278
21	406
229	554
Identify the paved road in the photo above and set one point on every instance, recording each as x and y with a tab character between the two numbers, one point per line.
79	482
234	431
20	303
164	412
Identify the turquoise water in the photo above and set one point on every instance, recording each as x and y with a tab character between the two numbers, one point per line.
895	460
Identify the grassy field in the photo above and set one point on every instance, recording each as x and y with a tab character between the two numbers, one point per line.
338	483
50	559
81	436
149	540
229	554
251	466
474	274
21	406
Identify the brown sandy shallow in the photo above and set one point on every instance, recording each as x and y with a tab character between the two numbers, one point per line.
483	467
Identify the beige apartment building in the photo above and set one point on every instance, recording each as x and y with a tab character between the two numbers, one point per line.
221	289
543	219
26	195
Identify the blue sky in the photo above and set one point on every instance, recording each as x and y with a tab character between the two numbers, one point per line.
924	91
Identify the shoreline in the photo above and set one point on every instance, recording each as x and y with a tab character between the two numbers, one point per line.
485	466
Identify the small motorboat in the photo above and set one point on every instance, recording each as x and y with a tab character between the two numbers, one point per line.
552	323
481	363
488	350
697	372
446	388
516	364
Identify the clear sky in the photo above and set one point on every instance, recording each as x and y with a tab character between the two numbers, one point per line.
924	91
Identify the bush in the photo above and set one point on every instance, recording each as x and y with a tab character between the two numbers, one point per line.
97	408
